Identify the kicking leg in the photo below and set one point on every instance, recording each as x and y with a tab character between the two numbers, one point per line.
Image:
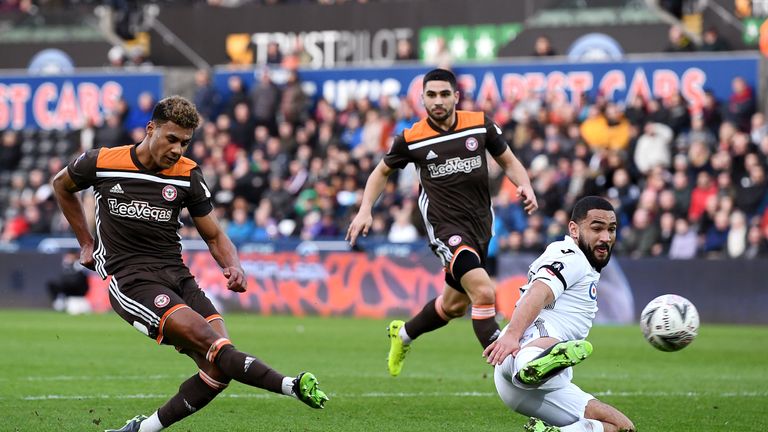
194	393
188	330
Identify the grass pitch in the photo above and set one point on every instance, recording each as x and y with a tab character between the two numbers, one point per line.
89	373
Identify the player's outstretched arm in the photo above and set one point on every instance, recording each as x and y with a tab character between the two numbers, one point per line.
222	250
529	307
373	188
64	189
515	171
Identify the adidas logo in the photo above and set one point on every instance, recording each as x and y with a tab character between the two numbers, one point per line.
248	361
431	155
116	189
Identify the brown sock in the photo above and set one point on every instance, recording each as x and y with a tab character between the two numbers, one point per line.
193	395
425	321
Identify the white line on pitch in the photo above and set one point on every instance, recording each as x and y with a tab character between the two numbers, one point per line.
393	395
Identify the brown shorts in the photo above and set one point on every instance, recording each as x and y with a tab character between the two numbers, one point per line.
145	297
449	246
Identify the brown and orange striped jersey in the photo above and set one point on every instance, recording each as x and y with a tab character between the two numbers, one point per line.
137	210
453	171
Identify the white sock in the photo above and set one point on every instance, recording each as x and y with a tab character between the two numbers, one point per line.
523	357
152	424
288	386
404	336
584	425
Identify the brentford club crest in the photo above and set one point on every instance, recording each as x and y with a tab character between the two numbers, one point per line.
454	240
169	193
471	143
162	300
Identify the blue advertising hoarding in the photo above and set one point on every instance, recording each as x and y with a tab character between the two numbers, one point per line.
70	101
617	81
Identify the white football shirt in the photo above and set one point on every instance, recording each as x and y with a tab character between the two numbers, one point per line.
564	268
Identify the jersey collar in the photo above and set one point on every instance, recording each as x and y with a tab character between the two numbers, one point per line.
437	128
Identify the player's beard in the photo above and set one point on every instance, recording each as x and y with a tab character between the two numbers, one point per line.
589	252
448	112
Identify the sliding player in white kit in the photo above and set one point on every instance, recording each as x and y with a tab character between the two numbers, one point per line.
546	333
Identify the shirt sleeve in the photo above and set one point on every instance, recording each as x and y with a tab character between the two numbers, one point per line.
398	155
83	169
494	140
199	200
560	273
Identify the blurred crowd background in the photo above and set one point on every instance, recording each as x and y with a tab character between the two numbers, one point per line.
685	182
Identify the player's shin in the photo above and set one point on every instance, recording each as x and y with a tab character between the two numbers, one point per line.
244	368
485	325
193	395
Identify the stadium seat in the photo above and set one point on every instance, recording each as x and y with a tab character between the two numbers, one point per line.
63	147
26	162
41	162
29	146
45	147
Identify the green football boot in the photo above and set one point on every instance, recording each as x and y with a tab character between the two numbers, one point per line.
397	349
558	357
536	425
305	388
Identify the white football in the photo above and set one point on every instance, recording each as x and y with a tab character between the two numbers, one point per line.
669	322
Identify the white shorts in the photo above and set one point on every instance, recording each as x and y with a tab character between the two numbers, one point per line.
558	401
540	328
559	407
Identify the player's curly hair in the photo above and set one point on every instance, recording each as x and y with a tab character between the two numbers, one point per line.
178	110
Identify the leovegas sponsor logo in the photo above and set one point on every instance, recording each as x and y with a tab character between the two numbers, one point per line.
455	165
139	210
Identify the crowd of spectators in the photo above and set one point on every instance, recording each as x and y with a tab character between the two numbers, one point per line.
685	183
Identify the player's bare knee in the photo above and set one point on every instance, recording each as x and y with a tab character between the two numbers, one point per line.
190	333
484	295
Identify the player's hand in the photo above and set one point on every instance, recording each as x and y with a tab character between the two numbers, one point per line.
86	256
499	349
526	194
236	280
360	224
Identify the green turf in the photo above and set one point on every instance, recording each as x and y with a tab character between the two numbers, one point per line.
90	372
